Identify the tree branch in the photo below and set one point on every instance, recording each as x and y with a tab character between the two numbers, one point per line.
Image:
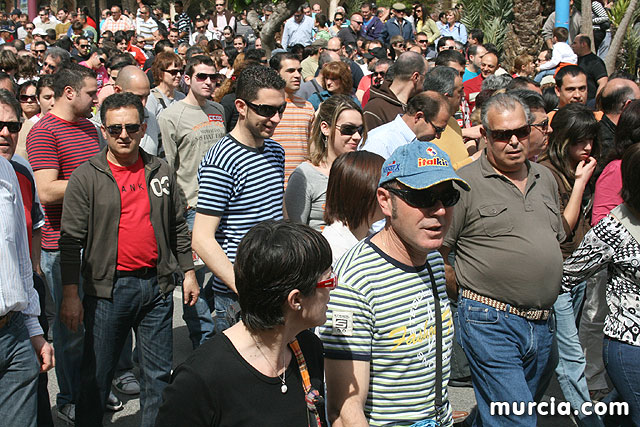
616	43
267	30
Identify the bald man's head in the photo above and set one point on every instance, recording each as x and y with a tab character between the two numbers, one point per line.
133	80
615	95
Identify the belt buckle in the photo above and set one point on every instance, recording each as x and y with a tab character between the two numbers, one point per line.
533	314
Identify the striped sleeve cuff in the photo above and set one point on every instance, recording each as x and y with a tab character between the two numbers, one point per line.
33	326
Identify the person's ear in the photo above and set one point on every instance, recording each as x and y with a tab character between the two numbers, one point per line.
241	106
294	300
325	128
385	202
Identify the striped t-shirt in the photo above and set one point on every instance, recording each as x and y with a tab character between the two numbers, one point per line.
54	143
383	312
293	133
243	186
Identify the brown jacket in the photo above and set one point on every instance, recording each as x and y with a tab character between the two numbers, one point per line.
383	107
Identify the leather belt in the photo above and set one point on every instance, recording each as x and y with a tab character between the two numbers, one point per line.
5	319
527	313
142	273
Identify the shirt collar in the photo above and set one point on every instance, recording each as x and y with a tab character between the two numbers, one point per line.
405	131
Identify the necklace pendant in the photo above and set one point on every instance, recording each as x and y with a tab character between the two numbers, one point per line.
283	388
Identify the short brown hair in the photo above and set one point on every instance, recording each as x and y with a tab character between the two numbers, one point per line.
162	62
338	70
561	34
351	191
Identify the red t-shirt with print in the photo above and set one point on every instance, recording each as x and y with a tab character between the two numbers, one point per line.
137	246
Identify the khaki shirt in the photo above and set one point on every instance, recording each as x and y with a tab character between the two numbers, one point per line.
507	242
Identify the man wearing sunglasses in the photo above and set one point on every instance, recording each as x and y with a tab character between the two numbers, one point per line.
96	62
508	266
389	317
123	209
189	128
540	129
425	119
61	141
241	181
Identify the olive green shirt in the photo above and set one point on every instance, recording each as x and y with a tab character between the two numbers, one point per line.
507	243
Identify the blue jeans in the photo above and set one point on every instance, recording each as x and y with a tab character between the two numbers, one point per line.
222	303
67	345
136	303
19	370
621	361
571	361
507	355
198	317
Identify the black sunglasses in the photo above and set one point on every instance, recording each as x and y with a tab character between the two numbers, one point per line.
427	198
505	135
349	130
116	130
438	129
265	110
543	125
14	127
201	77
27	98
379	73
176	71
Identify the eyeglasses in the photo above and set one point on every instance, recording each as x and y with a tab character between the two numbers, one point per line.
505	135
83	46
427	198
176	71
28	98
543	125
14	127
200	28
220	4
102	59
422	41
379	73
357	22
116	130
348	130
330	283
398	44
202	77
339	19
439	130
447	47
40	50
266	110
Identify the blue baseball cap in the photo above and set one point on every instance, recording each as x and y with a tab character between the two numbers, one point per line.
420	165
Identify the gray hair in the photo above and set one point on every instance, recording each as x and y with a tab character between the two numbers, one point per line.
504	102
441	80
494	82
58	52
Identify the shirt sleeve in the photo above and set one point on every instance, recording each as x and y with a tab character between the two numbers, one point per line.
42	149
593	254
168	132
348	332
296	198
215	189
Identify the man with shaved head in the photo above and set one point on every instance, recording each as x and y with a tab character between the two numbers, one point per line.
613	97
133	80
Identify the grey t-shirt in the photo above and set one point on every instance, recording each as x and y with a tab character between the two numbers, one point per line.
188	131
306	195
507	242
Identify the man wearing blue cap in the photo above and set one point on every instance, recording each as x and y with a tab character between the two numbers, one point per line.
389	328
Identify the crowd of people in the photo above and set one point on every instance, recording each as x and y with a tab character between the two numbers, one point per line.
375	209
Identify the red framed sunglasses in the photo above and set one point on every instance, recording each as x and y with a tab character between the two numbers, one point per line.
330	283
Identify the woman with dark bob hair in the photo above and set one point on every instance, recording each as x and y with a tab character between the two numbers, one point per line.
612	245
267	369
570	156
351	206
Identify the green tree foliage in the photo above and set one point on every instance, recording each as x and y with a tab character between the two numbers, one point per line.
491	16
627	58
